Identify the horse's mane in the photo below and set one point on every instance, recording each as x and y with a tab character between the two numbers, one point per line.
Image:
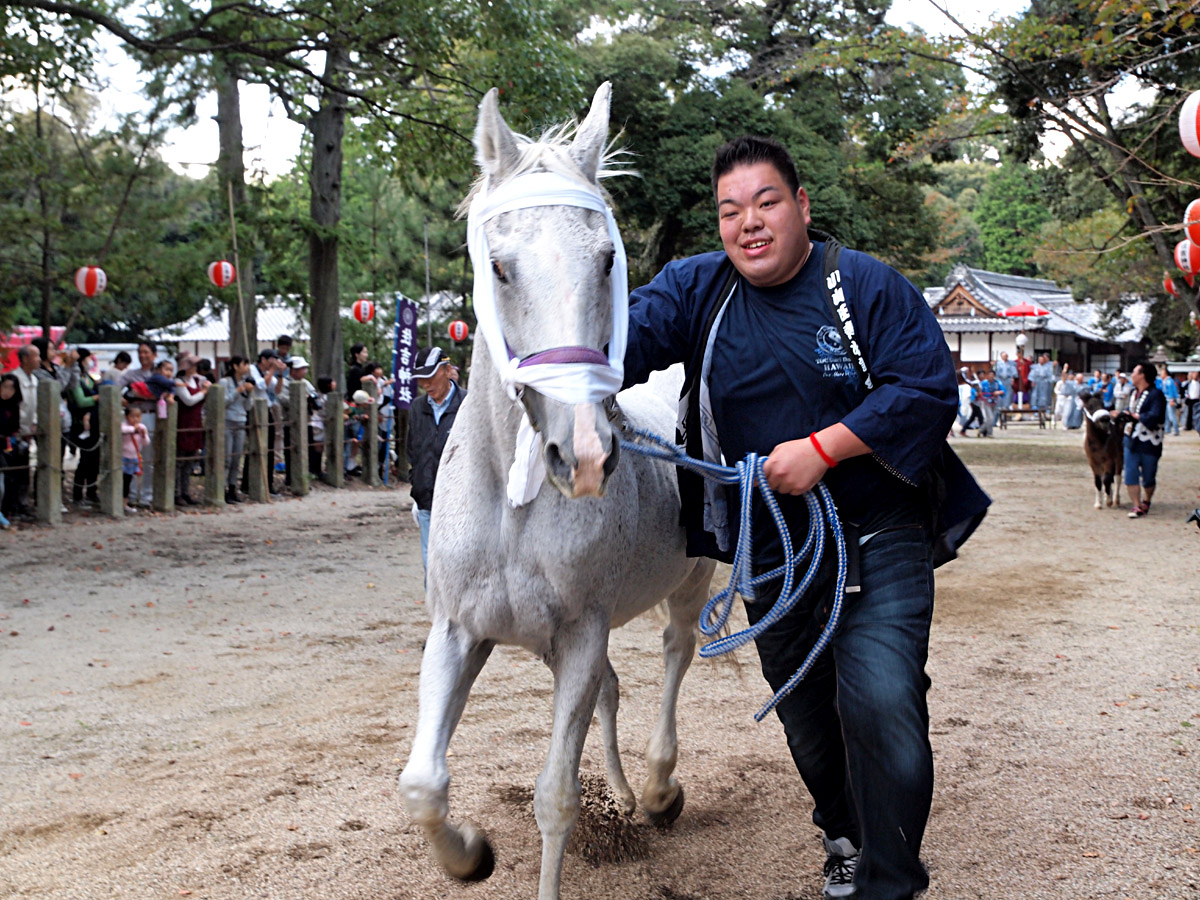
550	153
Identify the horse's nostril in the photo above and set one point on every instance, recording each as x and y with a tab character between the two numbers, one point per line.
554	460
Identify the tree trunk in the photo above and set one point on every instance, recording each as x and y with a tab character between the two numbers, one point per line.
243	319
325	335
47	272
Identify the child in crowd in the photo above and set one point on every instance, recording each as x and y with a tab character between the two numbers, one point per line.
160	384
238	387
325	385
134	437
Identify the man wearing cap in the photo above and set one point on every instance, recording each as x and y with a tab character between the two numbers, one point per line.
429	425
298	371
841	378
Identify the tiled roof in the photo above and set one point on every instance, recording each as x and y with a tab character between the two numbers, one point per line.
997	292
986	324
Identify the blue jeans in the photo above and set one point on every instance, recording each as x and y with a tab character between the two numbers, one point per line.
1172	418
858	724
423	522
1140	463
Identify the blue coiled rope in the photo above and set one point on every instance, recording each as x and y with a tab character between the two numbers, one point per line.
821	513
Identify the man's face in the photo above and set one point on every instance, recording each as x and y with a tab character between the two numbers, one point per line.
145	356
764	227
31	360
300	374
436	384
1138	377
1004	356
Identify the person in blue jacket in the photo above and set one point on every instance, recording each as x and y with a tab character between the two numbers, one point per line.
767	370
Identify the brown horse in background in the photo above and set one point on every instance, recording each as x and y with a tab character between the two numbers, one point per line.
1103	444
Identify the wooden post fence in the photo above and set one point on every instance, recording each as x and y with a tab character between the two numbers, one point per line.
110	482
215	462
165	433
298	473
371	438
49	453
256	451
335	442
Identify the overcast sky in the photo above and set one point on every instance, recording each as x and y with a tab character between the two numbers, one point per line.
272	140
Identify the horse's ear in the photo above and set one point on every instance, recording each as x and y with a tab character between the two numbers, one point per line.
495	144
590	139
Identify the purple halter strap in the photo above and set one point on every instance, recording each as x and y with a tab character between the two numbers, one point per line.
564	355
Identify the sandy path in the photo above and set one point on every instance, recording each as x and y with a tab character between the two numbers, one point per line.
217	706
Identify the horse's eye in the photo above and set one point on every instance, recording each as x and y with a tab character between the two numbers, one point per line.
608	263
499	271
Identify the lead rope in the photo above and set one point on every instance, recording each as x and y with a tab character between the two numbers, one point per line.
821	514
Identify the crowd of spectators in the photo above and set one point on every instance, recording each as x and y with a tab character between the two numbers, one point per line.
147	389
1057	393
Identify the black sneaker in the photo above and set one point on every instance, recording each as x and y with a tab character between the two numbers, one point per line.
840	862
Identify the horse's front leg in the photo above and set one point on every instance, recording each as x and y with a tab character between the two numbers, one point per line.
607	704
578	660
662	795
449	667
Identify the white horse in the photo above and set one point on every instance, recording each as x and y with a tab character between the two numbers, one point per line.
555	575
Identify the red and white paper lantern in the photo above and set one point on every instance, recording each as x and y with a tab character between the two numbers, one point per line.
1187	257
90	280
1189	124
458	331
1191	221
364	310
1169	285
222	273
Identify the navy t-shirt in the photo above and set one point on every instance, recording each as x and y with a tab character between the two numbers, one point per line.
780	372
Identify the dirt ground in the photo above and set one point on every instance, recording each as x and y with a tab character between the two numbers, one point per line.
218	705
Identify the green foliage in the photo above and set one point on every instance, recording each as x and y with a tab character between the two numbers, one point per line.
1097	255
71	195
381	246
1010	213
818	76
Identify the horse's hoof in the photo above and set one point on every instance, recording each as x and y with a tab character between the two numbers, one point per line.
668	816
487	864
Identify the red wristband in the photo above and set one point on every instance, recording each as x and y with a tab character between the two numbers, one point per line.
825	457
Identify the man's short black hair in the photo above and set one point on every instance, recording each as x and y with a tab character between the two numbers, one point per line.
267	353
749	150
145	343
123	357
1147	369
284	339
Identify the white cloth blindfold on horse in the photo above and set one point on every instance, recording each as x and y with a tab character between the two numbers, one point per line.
571	375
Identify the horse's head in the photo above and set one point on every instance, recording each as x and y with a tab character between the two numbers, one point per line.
1093	408
552	269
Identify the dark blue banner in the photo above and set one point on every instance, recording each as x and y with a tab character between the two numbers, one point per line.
404	352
